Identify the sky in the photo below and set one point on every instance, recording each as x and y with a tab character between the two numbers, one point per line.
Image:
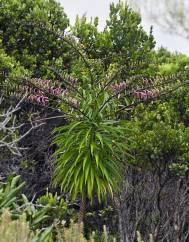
100	8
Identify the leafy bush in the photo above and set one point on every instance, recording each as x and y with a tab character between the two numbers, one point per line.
122	40
33	47
10	70
19	230
15	231
58	209
17	203
9	192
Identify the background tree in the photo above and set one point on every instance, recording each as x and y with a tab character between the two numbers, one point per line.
122	41
30	45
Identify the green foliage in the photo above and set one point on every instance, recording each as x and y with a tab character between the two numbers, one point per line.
169	68
50	199
23	38
8	65
9	229
57	208
162	128
128	38
71	234
165	63
87	157
89	35
24	219
9	192
179	169
180	104
10	70
21	210
122	41
19	230
161	139
35	215
17	203
174	64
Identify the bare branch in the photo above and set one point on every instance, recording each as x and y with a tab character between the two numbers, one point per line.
9	130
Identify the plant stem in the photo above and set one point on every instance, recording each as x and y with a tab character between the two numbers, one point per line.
82	210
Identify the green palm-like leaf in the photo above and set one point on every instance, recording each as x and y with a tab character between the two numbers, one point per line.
86	158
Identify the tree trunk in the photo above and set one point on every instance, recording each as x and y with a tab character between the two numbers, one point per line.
82	210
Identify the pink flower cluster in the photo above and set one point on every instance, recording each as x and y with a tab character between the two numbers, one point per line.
48	86
146	94
38	96
116	88
39	99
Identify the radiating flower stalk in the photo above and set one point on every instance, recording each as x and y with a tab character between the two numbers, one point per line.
39	90
39	93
